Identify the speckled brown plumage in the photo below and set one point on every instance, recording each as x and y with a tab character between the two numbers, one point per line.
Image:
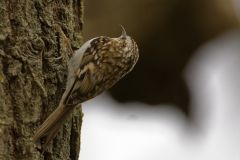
95	67
103	64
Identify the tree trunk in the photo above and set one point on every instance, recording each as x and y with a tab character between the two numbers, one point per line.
32	80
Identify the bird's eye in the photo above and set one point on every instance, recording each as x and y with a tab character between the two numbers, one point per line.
124	38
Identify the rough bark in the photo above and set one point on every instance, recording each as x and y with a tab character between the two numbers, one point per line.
31	80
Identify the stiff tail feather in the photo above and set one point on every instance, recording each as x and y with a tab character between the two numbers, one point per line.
53	123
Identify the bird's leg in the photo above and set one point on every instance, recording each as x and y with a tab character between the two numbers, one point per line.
66	40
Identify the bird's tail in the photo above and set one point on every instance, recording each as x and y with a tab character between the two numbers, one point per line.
53	123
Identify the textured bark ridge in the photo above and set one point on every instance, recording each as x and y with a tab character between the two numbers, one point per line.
31	80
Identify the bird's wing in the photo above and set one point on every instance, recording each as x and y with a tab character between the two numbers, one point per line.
87	81
88	77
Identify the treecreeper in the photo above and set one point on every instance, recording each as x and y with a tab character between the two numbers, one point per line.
95	67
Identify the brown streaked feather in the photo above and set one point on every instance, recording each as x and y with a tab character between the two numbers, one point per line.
86	60
84	85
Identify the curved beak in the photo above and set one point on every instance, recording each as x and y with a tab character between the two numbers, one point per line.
123	30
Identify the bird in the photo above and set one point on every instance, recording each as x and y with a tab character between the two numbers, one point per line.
99	64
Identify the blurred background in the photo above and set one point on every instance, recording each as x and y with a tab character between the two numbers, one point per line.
182	99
